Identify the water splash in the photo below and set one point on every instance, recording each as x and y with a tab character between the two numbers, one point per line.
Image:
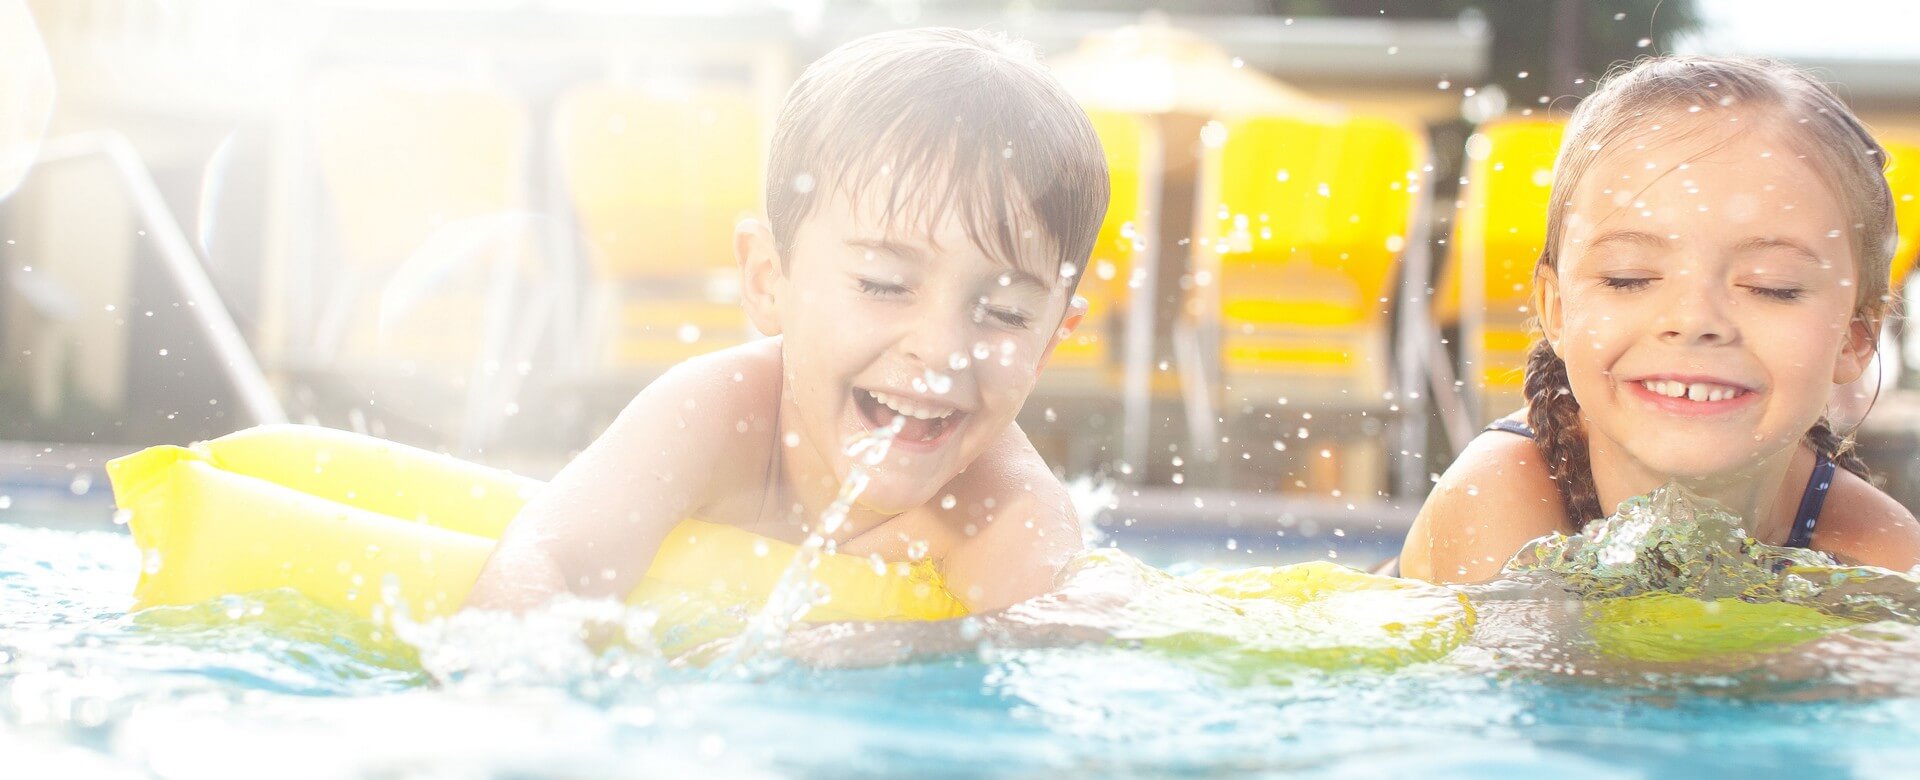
1674	541
1672	576
796	594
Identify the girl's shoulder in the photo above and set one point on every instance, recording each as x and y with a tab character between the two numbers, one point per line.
1493	499
1862	524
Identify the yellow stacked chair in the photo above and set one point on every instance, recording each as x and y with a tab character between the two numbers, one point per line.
1903	177
1501	226
404	161
657	183
1091	360
1301	223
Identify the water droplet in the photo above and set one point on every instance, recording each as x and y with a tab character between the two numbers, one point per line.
939	383
122	516
150	562
981	351
689	333
803	183
948	501
80	485
6	502
917	549
1644	42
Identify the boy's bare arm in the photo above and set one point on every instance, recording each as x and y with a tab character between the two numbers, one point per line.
1020	546
594	529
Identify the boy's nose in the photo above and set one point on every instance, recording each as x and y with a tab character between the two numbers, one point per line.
932	342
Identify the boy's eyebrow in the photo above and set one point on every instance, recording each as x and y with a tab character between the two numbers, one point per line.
895	248
911	253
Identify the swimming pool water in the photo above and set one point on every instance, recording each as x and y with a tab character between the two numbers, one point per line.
272	686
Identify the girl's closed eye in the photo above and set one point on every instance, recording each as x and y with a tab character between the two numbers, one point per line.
1626	283
1778	293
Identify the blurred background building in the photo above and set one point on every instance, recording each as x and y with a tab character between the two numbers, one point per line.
481	227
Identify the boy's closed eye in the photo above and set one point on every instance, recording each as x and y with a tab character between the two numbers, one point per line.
879	288
1007	316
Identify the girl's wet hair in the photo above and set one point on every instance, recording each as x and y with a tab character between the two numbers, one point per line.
1680	93
946	121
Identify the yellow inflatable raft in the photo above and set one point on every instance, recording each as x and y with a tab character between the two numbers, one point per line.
339	517
351	521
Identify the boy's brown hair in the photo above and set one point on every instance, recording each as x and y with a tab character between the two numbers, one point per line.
944	119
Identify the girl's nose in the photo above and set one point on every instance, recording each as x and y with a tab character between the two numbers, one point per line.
1696	314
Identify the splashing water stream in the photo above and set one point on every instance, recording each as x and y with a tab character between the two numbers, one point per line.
796	593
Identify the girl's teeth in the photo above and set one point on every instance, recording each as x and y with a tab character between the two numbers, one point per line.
907	408
1697	391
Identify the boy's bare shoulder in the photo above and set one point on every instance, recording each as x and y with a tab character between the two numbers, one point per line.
706	415
1014	524
1496	497
1862	524
1012	473
741	378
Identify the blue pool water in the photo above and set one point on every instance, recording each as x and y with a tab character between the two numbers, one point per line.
272	686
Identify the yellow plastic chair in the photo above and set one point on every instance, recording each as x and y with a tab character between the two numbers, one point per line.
1903	177
405	166
437	283
1090	359
657	183
1301	223
1500	228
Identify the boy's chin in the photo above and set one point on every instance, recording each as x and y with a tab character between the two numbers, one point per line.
893	494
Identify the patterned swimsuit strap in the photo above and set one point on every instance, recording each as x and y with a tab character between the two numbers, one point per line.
1808	515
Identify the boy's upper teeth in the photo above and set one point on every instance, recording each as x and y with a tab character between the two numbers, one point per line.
906	407
1694	391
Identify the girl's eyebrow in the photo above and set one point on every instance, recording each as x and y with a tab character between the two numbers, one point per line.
1639	237
1759	243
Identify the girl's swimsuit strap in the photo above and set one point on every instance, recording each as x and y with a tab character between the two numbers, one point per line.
1511	426
1815	497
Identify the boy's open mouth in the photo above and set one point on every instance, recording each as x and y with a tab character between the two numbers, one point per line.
921	422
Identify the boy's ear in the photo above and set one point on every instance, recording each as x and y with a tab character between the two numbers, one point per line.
1076	312
762	277
1856	353
1546	305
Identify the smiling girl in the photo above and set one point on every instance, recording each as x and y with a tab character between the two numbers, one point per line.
1716	262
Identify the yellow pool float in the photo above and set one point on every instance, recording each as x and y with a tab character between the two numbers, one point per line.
357	524
350	520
